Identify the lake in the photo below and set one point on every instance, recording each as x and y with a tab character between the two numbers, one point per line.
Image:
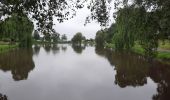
66	72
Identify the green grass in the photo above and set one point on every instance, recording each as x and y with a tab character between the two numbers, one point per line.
138	49
6	47
109	45
164	45
161	54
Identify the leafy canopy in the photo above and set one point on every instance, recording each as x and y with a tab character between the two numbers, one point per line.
43	11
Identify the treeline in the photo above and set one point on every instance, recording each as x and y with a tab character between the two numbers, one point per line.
104	37
78	39
20	30
135	24
53	37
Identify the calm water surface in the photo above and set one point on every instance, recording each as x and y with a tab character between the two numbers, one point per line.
65	72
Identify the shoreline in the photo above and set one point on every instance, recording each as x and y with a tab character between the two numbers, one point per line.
7	47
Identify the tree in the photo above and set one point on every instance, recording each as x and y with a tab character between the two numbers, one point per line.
100	38
18	29
43	11
47	37
64	37
155	10
77	38
36	35
55	36
84	38
110	33
154	15
78	48
136	24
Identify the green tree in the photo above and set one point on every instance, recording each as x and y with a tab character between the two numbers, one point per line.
43	11
100	38
55	36
19	29
47	37
64	37
36	35
110	33
136	24
84	38
77	38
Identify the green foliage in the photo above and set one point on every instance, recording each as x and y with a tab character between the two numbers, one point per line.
104	37
47	37
6	47
110	33
64	37
43	11
36	35
100	38
77	38
55	37
125	28
145	21
136	24
163	55
164	44
18	29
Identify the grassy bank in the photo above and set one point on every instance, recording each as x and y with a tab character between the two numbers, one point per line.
165	45
163	50
6	47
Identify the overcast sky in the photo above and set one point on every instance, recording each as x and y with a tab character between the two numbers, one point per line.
76	24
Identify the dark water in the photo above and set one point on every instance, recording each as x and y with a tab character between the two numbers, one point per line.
65	72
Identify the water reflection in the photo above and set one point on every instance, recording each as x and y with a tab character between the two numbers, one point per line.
36	49
3	97
160	74
19	62
55	48
63	48
47	47
133	70
67	76
78	48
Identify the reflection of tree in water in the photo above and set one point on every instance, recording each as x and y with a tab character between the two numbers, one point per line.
51	47
91	44
3	97
133	70
160	74
36	49
55	49
19	62
100	51
128	68
63	48
47	47
78	48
